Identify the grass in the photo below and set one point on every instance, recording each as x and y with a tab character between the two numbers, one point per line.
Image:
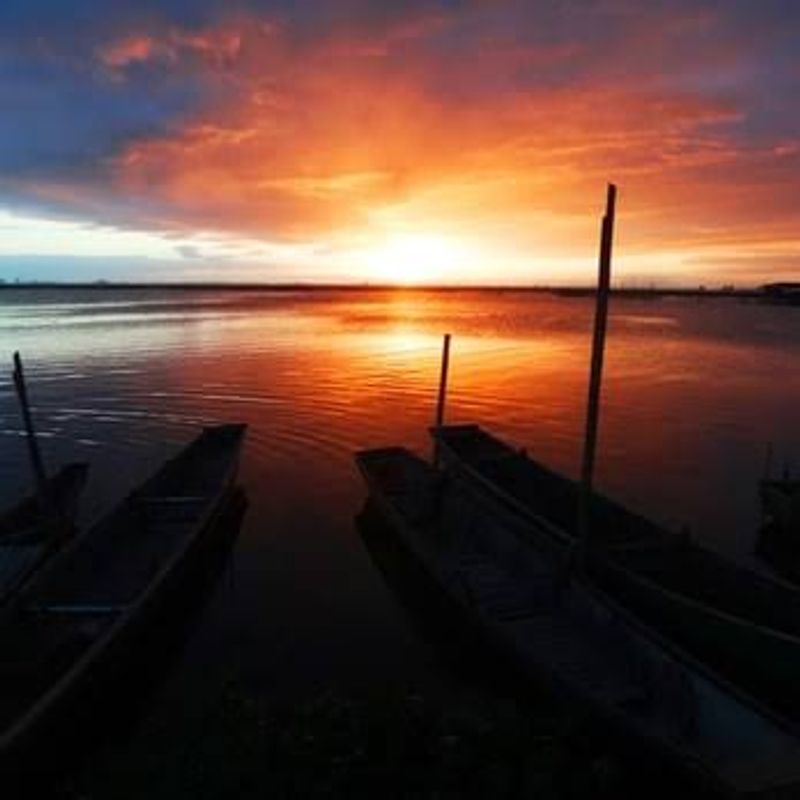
391	744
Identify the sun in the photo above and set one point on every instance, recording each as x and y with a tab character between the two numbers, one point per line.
410	258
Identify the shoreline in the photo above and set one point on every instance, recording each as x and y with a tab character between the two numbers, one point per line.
559	291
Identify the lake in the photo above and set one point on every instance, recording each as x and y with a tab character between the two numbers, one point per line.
694	391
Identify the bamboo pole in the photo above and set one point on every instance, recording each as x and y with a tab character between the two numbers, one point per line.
37	463
442	398
595	378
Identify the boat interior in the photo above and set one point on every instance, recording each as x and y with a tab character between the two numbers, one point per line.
73	600
673	561
487	561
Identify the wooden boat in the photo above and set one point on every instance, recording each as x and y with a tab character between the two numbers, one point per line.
23	521
744	624
576	640
30	535
81	615
779	537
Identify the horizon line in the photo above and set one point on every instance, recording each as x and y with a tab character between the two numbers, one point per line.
565	289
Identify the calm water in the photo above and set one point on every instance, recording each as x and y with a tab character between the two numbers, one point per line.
694	392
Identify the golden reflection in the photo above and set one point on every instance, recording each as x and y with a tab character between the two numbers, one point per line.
687	406
402	340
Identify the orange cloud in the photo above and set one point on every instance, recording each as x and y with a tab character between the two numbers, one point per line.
215	48
126	51
340	137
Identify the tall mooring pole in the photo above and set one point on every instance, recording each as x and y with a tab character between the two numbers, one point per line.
595	378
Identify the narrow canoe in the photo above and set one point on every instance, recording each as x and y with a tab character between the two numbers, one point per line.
744	624
778	541
81	615
24	520
574	639
30	535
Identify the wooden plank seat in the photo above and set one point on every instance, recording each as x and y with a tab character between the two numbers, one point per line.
77	608
175	499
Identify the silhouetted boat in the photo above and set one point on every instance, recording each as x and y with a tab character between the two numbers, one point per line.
573	638
744	624
31	534
23	521
779	536
86	608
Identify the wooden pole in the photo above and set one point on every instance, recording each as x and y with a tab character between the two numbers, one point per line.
595	378
33	446
442	399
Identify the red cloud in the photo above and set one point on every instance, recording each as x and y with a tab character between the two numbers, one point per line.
128	50
310	136
215	48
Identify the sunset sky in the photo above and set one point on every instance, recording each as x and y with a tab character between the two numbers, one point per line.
446	142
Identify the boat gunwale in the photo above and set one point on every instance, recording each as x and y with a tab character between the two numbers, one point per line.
120	508
128	612
73	473
674	649
679	753
608	562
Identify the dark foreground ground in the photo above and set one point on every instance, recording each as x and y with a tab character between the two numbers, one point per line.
489	735
394	744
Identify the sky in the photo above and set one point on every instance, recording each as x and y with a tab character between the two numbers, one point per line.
458	141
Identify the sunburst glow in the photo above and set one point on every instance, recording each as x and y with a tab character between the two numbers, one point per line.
411	258
420	142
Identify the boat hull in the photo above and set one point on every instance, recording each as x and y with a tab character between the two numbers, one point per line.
744	624
763	661
23	522
778	542
92	680
30	536
679	680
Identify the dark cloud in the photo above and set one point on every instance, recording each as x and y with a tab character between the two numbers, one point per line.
287	118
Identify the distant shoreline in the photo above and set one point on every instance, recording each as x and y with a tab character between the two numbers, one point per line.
560	291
